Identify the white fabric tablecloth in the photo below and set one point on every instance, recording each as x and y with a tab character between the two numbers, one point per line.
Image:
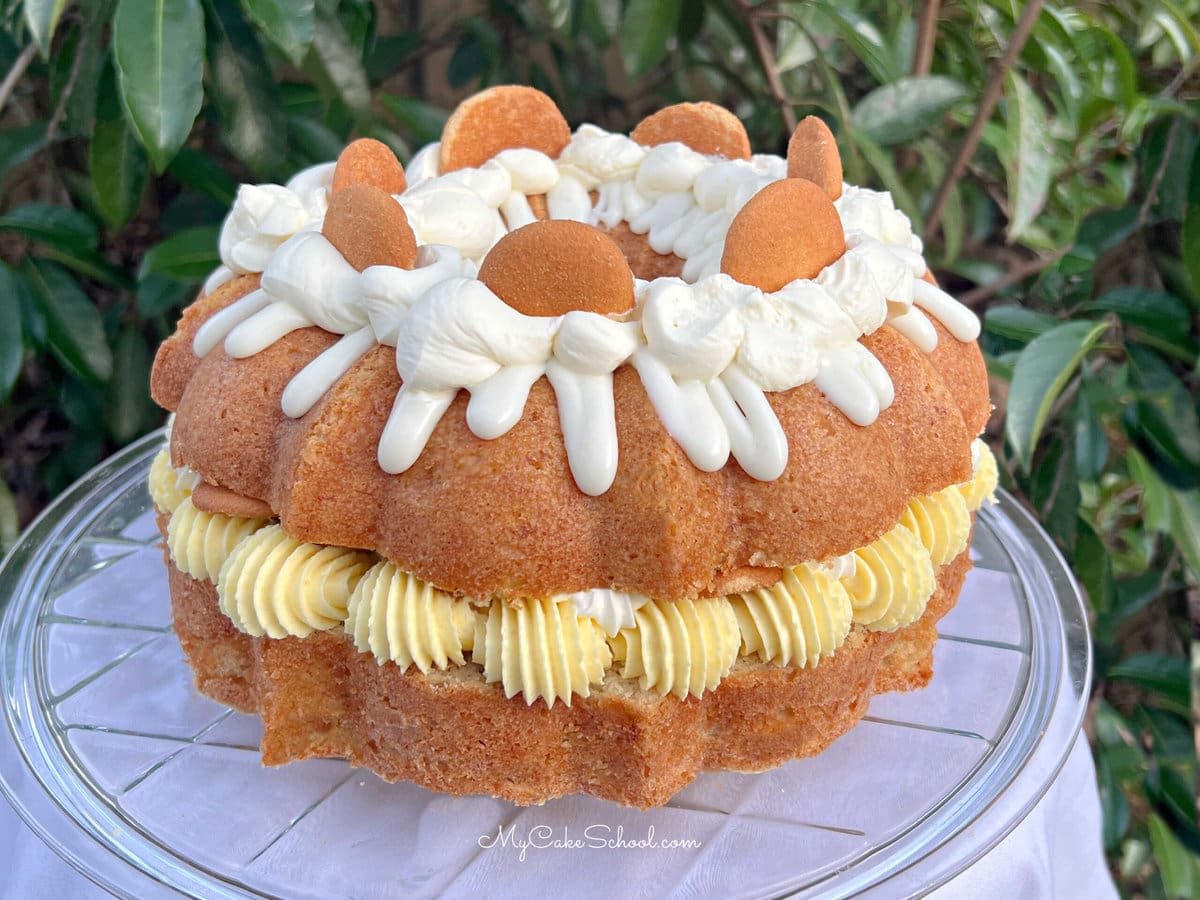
1054	853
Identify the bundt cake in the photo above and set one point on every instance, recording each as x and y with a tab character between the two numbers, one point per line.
565	462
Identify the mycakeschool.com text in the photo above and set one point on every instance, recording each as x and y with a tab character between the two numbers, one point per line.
591	837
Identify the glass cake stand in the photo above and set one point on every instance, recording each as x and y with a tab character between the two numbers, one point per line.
152	790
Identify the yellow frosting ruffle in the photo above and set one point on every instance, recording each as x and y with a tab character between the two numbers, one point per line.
398	617
271	584
201	542
169	486
942	522
540	650
684	647
982	486
798	620
275	585
892	582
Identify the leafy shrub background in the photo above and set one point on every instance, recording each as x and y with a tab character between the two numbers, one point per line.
1049	154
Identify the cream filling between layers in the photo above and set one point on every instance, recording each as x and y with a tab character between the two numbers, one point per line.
168	485
271	584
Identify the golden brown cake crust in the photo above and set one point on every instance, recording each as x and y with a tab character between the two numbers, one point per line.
451	732
504	518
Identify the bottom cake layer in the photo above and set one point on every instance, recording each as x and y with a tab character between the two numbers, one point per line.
452	732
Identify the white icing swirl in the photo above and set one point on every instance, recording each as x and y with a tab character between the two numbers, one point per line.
874	213
264	216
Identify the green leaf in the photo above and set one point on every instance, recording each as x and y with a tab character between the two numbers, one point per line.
90	263
1091	441
1071	91
1113	805
128	393
17	145
10	524
73	326
1093	564
644	32
311	141
59	226
1122	89
188	256
468	62
157	294
288	24
1041	372
602	19
1163	411
1175	864
1157	672
42	18
1101	231
1158	510
389	54
1190	252
1186	25
200	172
1174	794
158	47
1185	527
1019	323
1030	158
902	111
1135	594
118	171
12	347
85	58
244	91
865	41
340	63
421	120
1157	313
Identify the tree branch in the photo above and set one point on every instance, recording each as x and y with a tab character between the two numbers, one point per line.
1156	181
926	37
20	64
987	105
766	60
1018	273
60	111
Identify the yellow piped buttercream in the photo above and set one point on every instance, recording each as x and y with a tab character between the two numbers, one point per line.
201	542
682	647
275	585
801	618
942	522
170	486
892	582
982	486
543	649
397	617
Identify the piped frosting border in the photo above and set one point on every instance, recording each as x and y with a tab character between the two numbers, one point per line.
706	347
271	585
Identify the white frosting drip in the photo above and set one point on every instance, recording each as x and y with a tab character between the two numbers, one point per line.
707	349
220	275
612	610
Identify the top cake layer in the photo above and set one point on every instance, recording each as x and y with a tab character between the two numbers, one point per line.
826	386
